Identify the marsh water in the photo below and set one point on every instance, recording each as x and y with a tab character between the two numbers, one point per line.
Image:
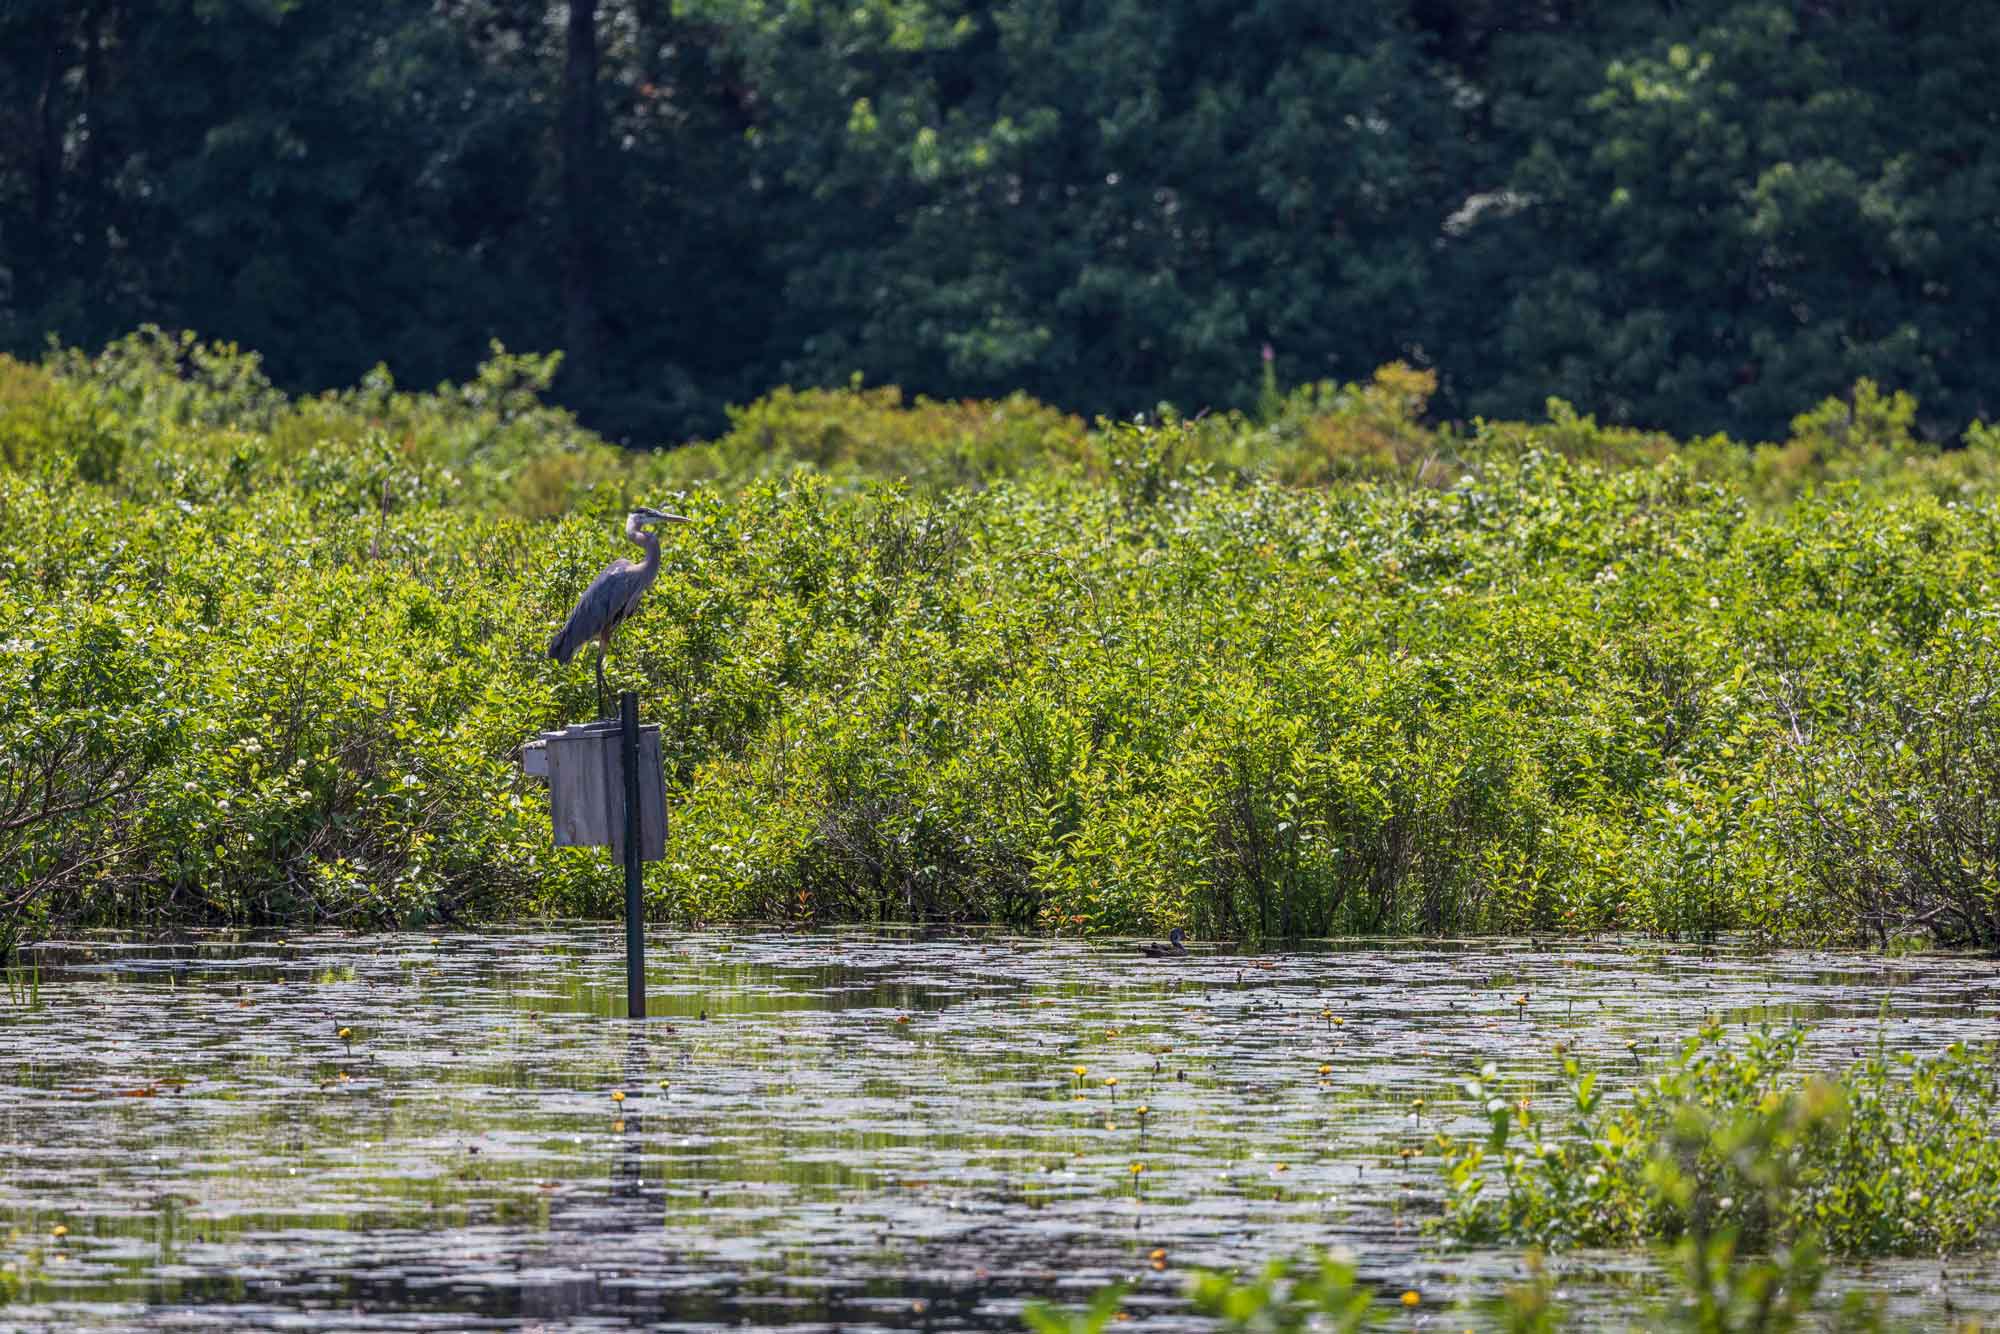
855	1130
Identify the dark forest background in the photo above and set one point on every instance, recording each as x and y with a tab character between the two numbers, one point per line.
1690	214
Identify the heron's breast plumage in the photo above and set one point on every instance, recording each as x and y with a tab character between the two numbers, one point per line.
612	597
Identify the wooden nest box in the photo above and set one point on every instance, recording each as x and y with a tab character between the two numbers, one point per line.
586	778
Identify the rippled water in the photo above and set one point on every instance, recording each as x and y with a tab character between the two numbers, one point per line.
852	1130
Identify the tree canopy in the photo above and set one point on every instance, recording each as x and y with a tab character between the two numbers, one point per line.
1691	215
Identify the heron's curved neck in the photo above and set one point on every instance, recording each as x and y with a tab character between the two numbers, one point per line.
647	540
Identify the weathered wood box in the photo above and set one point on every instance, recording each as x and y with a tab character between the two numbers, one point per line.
586	777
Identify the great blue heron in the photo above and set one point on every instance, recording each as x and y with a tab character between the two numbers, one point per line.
614	594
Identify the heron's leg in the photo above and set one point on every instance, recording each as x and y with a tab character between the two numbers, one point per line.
602	645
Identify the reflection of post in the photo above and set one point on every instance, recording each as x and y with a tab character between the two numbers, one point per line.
628	1166
635	925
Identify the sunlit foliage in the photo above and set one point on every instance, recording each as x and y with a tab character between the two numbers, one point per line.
1327	669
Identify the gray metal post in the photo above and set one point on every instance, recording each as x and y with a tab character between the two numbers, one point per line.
635	908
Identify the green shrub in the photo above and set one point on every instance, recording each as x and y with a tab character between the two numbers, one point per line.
1540	678
1892	799
1712	1290
46	424
1322	1292
157	380
872	432
1893	1158
1327	432
86	714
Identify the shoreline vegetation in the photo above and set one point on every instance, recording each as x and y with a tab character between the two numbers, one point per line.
1328	667
1745	1178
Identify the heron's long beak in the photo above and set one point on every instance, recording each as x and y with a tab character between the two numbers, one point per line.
662	516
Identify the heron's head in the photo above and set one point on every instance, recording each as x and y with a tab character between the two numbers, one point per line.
646	514
645	517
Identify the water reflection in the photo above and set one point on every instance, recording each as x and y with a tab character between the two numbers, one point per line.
853	1128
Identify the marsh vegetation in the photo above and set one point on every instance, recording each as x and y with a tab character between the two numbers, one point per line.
1324	670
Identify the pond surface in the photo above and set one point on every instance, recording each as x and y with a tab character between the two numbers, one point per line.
854	1130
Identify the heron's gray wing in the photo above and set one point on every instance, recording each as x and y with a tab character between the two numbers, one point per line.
596	609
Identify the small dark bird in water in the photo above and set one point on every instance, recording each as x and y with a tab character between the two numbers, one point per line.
1173	949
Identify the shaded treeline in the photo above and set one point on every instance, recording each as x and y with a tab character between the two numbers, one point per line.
1694	215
